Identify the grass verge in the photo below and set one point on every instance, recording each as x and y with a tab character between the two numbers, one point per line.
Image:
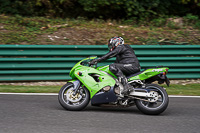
189	89
57	31
174	89
29	89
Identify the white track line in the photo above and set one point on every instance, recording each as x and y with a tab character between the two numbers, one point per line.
54	94
184	96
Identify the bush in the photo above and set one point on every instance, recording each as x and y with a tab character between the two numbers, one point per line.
104	9
52	8
173	25
190	19
159	22
17	7
117	9
197	24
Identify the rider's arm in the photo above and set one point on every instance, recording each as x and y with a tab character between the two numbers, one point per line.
111	54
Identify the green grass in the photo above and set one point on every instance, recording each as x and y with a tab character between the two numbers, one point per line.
29	89
18	29
174	89
189	89
34	30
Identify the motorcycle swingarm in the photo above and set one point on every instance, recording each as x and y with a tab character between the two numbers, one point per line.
141	93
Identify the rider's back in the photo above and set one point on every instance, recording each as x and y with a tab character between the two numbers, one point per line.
127	55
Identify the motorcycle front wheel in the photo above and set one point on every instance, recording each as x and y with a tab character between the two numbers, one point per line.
156	105
71	101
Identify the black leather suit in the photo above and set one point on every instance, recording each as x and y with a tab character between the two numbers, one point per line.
126	62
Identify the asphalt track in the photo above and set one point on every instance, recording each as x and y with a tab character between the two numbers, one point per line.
43	114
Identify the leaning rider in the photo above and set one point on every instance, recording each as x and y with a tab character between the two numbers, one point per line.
126	61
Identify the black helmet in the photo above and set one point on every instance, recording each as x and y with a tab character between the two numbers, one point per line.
114	42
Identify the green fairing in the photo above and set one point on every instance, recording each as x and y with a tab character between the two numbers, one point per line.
89	81
105	80
75	66
106	69
72	80
148	73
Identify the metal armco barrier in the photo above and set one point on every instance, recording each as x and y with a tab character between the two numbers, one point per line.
53	62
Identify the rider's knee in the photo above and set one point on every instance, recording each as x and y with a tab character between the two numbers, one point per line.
113	68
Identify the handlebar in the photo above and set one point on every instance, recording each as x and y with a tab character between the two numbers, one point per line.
91	65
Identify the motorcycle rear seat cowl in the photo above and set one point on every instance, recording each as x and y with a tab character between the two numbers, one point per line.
137	73
134	74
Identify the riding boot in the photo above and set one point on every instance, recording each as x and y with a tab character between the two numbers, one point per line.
127	87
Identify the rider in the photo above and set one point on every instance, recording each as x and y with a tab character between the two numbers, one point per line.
126	61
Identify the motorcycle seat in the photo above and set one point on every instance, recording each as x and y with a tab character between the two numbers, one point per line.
134	74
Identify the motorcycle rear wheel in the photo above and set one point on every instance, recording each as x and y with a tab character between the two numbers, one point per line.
73	102
156	105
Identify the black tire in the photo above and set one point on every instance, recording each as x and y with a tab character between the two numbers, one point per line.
157	107
69	103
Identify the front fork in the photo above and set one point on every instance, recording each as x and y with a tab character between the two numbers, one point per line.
77	85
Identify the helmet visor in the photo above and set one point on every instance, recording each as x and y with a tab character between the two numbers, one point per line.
110	47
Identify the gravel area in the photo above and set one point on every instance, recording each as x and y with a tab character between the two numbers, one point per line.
182	82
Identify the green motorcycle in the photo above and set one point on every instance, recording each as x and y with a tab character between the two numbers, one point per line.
101	87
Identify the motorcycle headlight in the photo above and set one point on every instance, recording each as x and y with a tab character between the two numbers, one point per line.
107	88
